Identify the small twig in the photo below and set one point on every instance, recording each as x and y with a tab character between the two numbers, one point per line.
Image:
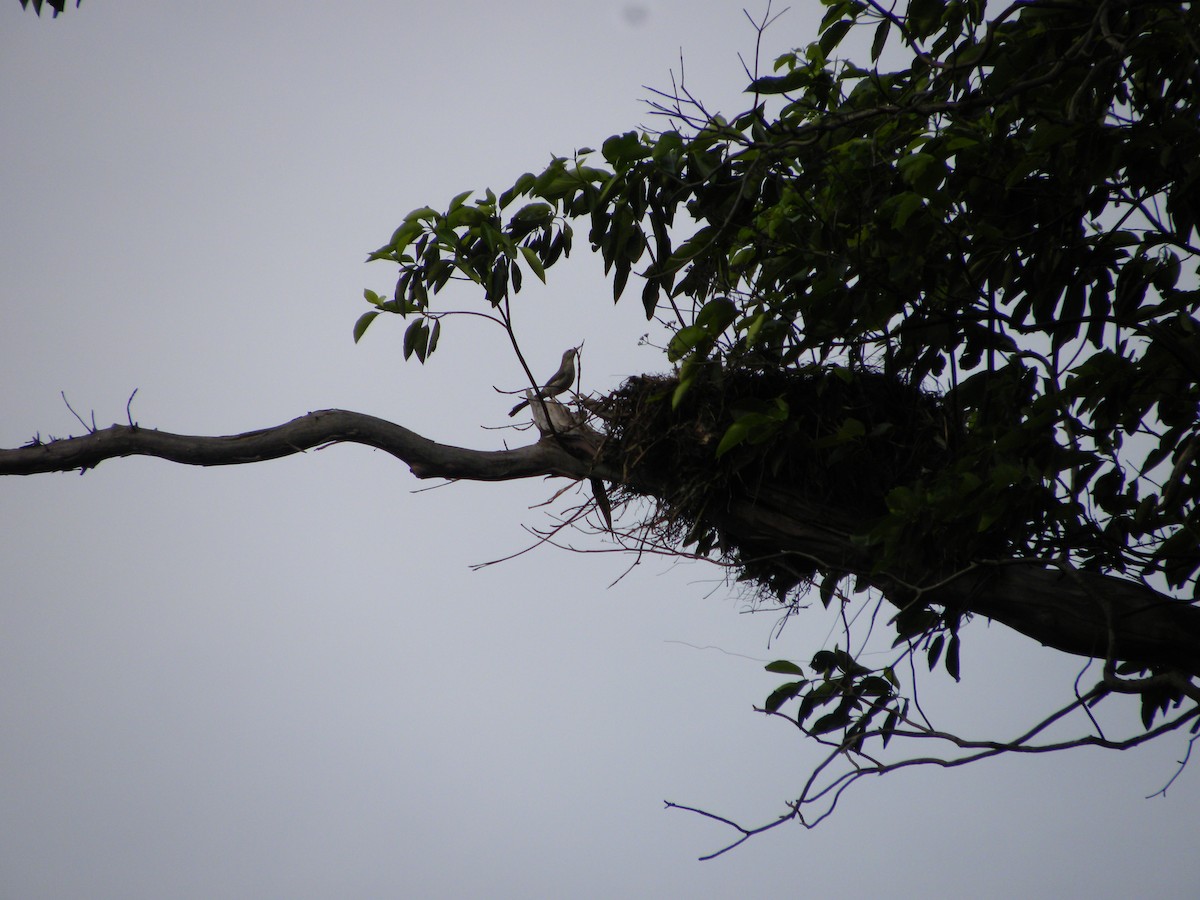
91	429
1182	765
747	833
1084	703
128	412
759	28
984	750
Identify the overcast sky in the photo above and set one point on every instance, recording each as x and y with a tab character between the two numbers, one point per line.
285	680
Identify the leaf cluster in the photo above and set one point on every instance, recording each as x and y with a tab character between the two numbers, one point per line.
1009	217
56	6
857	695
950	308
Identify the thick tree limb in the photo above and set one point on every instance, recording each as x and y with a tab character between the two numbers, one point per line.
1082	613
426	458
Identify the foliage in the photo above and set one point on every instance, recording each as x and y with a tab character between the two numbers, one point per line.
1007	219
56	5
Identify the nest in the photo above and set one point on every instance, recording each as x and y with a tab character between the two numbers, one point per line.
847	439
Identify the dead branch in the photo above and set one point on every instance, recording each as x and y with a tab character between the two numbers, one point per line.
425	458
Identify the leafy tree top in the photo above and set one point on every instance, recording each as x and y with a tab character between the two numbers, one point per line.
1006	221
56	6
1006	218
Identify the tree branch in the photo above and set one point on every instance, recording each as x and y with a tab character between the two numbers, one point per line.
1072	612
426	458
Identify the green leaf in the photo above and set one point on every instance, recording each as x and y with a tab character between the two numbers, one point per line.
684	340
363	323
823	661
668	146
784	667
881	35
681	389
783	694
839	718
829	587
875	686
935	650
534	213
851	429
534	263
416	339
434	334
404	235
780	84
522	187
735	434
922	171
716	315
623	149
906	204
821	695
889	726
833	35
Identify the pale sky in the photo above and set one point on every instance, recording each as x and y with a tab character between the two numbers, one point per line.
285	680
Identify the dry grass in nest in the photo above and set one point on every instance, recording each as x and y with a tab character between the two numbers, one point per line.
847	440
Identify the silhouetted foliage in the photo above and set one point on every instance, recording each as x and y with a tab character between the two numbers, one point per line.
56	5
1006	222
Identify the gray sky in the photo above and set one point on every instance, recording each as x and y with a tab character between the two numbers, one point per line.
284	680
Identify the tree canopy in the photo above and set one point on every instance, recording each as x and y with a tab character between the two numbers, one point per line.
931	318
56	6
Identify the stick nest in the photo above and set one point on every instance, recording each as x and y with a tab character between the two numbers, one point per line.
848	438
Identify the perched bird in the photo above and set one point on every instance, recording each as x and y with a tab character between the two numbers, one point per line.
559	383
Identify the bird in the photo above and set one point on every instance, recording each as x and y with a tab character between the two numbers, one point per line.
559	382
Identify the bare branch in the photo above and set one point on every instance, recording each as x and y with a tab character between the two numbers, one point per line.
426	458
814	792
